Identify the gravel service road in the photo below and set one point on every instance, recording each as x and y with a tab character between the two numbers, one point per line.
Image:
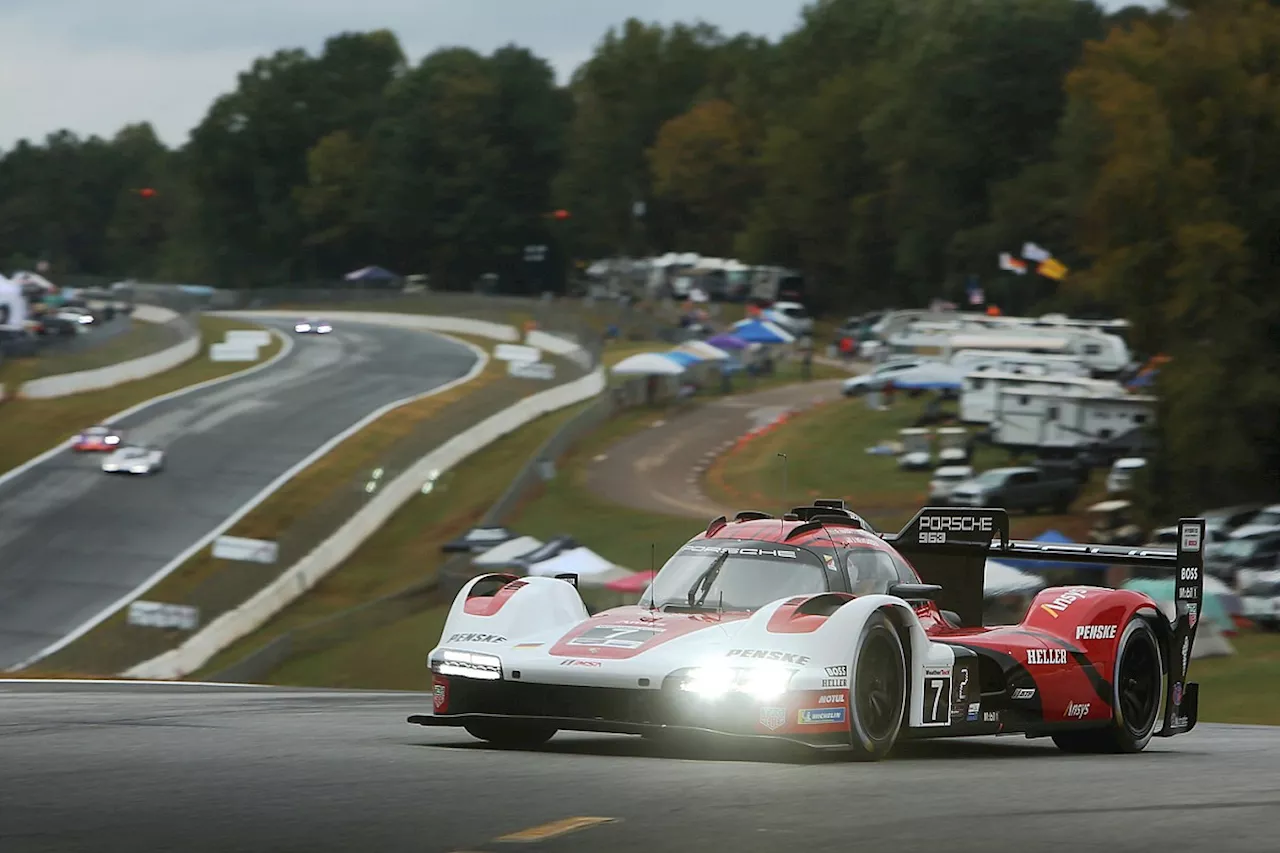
73	540
157	767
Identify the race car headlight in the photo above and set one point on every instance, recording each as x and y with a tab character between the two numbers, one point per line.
139	469
323	329
710	682
760	683
467	665
302	327
111	439
766	683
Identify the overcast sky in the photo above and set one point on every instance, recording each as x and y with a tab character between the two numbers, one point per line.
95	65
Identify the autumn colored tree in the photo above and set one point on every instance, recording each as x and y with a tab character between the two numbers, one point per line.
1171	125
702	165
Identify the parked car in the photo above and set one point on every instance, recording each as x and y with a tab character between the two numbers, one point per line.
870	381
1260	601
1264	519
1113	524
792	316
1259	550
1120	478
1028	489
944	481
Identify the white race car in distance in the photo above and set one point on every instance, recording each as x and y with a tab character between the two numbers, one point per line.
312	327
134	459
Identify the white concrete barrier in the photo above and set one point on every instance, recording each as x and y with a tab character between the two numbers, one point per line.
562	347
425	322
233	351
248	337
198	649
66	384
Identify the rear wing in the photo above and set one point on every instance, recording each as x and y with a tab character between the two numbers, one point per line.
949	546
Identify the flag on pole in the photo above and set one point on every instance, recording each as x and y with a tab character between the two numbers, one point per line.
1012	264
1039	254
1053	269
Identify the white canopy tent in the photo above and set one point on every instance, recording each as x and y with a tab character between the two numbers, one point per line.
1000	579
503	555
704	350
581	561
13	306
647	364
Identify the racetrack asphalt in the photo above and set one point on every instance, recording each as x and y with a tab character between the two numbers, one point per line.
73	540
659	469
144	767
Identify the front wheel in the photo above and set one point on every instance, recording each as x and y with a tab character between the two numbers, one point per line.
878	690
1136	692
511	734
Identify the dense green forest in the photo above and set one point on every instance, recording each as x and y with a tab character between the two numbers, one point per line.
890	149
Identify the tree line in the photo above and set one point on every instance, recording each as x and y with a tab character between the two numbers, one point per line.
890	149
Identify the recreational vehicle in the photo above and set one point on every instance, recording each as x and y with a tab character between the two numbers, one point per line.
1102	353
1031	364
1027	419
980	395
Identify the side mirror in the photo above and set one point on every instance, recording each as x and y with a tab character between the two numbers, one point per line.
570	577
915	591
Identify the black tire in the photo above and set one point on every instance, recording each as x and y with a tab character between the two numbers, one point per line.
511	734
877	690
1137	691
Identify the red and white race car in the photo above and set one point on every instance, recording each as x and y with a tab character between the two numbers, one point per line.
98	438
816	629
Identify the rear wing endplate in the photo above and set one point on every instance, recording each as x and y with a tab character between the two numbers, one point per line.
984	532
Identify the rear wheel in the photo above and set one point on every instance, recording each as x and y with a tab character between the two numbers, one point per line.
878	690
1136	691
511	734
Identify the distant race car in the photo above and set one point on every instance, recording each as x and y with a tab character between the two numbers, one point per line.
312	327
815	629
98	438
134	459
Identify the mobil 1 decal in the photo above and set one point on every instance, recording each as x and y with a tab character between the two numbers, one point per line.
1188	598
937	696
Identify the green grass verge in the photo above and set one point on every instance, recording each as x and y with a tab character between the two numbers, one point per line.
826	458
1242	688
30	427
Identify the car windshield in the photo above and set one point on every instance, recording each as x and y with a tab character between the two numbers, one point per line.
1239	549
735	575
990	478
1269	517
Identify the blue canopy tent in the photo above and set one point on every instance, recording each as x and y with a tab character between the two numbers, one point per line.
371	274
761	332
1051	537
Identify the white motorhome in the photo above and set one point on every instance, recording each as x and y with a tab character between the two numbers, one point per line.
979	397
1032	364
1104	354
1027	419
